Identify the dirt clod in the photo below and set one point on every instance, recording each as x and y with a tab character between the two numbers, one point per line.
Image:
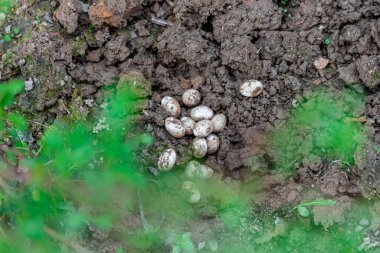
67	14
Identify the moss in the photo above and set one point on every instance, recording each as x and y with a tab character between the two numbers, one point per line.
78	47
374	75
135	81
6	58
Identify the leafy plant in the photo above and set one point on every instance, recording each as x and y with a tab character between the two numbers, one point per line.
304	211
70	179
10	33
283	9
327	41
183	243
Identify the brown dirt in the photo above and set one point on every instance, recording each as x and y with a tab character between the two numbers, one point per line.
214	46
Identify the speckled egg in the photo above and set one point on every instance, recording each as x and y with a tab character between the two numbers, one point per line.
203	128
201	112
171	106
174	127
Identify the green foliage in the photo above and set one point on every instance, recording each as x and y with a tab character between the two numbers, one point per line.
6	6
283	9
327	41
304	212
183	243
72	179
326	124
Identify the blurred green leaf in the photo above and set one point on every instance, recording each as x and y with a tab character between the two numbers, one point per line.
303	211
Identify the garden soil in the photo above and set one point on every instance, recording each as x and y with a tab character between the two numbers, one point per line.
75	49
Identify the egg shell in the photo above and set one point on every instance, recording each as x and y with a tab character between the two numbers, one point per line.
203	128
212	144
219	121
199	147
206	172
191	97
189	125
171	106
167	160
251	88
193	169
174	127
201	112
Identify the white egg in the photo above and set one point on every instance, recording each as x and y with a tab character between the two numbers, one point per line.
193	169
199	147
167	160
219	121
251	88
195	194
174	127
189	125
205	172
191	97
201	112
212	144
171	106
203	128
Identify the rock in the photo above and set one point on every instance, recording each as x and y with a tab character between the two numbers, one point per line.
67	14
321	63
113	13
369	70
348	74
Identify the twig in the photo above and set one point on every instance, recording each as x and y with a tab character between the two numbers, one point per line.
300	157
159	21
141	208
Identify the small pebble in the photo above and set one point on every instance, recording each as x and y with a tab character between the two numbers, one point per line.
29	84
321	63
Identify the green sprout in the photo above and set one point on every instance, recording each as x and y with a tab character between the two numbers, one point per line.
304	212
327	41
10	33
183	243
